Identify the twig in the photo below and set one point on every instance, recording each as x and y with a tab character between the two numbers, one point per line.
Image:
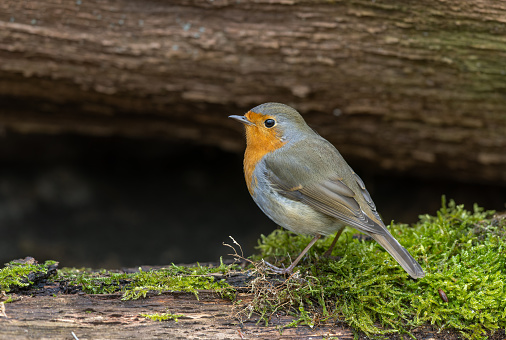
3	297
236	255
2	310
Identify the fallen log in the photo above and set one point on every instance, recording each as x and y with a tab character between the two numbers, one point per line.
412	87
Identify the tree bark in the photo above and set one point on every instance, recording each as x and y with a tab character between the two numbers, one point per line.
417	86
102	316
107	317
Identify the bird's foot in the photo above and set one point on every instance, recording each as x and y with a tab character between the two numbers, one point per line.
278	270
330	257
328	253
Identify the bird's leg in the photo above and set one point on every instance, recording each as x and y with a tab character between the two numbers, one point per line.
329	251
297	260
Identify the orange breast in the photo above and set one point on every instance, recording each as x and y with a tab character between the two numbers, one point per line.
260	141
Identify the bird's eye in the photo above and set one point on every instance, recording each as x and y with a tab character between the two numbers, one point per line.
269	123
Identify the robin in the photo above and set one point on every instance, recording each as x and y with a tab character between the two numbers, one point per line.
303	184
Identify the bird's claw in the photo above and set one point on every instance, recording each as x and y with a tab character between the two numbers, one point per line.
277	270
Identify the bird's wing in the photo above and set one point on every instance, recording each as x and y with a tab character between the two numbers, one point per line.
321	178
367	196
325	182
330	197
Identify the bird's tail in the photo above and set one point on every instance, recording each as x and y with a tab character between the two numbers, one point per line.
400	254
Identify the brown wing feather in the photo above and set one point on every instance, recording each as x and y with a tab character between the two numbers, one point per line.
367	196
331	198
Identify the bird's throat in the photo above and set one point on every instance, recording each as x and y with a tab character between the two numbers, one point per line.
259	142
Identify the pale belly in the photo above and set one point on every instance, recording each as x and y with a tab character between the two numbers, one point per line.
293	215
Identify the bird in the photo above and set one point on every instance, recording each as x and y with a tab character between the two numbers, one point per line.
303	184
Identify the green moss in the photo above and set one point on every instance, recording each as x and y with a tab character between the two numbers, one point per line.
16	275
94	282
180	279
462	253
139	284
163	316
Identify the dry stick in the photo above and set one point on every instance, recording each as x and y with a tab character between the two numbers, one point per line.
2	310
3	296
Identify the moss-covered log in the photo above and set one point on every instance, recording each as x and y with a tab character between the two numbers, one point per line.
363	294
413	86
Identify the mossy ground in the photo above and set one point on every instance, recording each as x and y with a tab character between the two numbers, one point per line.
163	316
138	284
16	274
462	252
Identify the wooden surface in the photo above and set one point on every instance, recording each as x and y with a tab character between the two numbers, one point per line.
55	310
107	317
415	86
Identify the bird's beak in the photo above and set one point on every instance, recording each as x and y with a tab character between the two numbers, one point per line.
241	119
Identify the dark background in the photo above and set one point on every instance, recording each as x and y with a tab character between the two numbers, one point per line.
399	89
120	202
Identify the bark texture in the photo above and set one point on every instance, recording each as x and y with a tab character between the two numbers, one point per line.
415	86
83	316
107	317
